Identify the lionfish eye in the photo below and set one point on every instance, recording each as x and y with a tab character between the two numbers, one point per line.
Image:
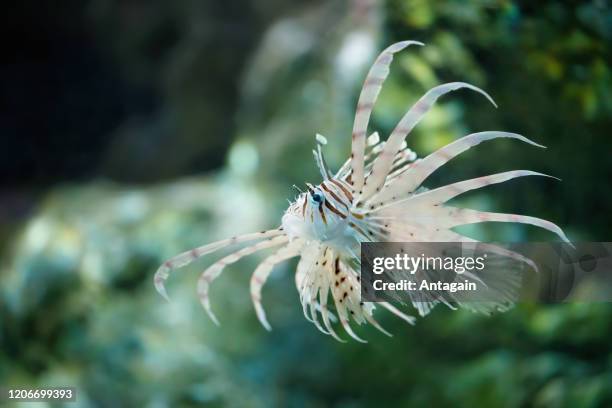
317	197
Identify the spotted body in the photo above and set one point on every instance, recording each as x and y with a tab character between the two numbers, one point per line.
376	195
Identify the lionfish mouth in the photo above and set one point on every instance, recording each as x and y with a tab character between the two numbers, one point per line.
377	195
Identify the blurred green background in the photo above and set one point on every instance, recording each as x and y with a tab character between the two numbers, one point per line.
133	130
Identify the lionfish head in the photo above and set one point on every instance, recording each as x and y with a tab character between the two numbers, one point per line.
319	214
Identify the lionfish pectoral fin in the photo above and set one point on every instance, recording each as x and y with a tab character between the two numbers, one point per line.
347	327
326	314
215	270
187	257
501	287
263	270
409	319
374	323
315	320
342	316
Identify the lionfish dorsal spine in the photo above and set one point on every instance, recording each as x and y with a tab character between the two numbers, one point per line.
367	98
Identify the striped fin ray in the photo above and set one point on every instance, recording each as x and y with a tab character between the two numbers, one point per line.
313	306
321	272
383	162
187	257
443	194
369	93
408	319
312	278
346	297
263	270
323	295
320	159
409	180
304	277
310	286
215	270
463	216
369	316
402	158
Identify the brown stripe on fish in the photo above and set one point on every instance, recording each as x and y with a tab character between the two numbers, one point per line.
344	189
322	213
374	81
334	209
364	106
334	196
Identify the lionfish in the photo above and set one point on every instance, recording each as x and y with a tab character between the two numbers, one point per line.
375	196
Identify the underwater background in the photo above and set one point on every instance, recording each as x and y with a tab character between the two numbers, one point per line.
133	130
